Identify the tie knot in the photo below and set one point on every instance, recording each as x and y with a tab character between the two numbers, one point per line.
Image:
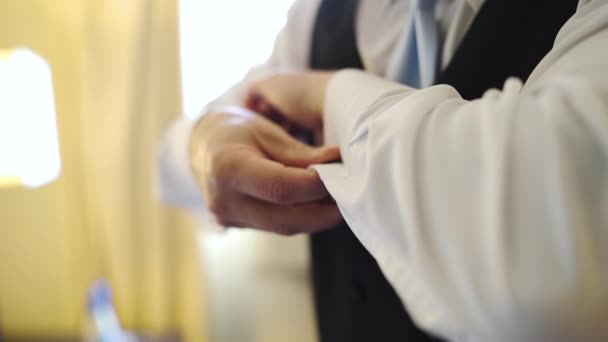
427	4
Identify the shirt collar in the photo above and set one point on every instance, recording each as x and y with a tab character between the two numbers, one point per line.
475	4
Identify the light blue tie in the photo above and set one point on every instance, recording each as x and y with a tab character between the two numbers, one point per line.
417	63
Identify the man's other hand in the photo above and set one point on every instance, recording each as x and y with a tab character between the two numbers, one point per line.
253	174
293	99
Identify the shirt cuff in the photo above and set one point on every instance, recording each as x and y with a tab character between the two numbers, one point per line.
348	97
176	183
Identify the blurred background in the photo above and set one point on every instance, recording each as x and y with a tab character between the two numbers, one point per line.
87	88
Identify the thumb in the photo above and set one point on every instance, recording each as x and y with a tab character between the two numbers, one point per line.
288	151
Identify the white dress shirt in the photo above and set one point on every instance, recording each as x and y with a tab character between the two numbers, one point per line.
379	29
489	217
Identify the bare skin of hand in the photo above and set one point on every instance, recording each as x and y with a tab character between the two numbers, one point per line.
292	99
254	174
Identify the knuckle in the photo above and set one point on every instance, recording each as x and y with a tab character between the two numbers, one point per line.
224	221
218	206
279	191
284	228
289	231
220	170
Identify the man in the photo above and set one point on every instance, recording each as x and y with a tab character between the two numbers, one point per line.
487	214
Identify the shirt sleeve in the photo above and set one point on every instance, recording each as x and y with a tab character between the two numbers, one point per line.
176	183
489	217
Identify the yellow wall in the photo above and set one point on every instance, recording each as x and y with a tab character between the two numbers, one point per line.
116	86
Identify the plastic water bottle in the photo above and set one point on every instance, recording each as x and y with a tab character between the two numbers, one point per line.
105	320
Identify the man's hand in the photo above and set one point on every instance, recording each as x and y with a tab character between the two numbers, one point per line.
293	99
253	174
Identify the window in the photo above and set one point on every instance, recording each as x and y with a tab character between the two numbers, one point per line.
29	145
221	40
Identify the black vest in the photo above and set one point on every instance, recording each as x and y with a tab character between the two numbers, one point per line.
354	301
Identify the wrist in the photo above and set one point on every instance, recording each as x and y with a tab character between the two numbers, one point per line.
318	83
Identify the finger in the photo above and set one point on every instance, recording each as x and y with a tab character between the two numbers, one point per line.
258	104
301	155
293	129
271	181
288	220
282	147
266	99
252	101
